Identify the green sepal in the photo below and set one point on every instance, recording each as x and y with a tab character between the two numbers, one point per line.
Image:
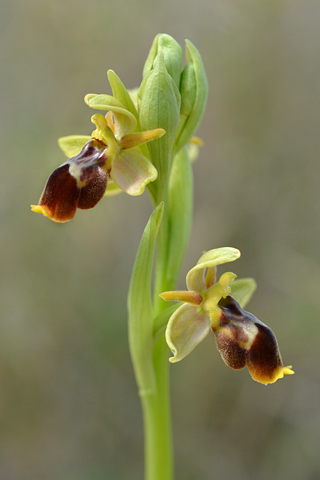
180	207
196	276
103	102
172	54
187	327
73	144
112	104
242	290
161	320
194	89
140	308
121	93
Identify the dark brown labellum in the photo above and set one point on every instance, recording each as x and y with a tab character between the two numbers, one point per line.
82	186
243	340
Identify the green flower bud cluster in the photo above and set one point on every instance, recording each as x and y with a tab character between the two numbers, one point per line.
172	99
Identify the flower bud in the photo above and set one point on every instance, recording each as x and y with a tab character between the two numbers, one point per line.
159	107
243	340
172	54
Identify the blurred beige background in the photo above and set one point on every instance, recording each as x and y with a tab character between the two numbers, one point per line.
69	409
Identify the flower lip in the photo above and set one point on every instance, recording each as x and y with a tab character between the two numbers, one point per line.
95	179
242	340
78	183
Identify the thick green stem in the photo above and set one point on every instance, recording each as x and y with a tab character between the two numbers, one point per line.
156	405
172	240
157	420
160	281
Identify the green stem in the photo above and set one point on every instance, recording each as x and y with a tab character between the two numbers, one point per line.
160	281
157	420
171	244
156	405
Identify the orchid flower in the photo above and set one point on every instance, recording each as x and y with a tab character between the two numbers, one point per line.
105	163
217	305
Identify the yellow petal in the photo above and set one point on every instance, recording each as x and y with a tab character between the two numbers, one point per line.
135	139
182	296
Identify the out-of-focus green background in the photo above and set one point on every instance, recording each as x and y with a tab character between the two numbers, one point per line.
69	409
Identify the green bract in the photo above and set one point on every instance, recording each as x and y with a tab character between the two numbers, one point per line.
180	206
194	94
140	307
188	89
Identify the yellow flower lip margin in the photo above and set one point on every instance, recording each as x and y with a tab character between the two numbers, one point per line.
209	305
42	209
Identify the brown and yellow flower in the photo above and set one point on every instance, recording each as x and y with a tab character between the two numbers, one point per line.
218	306
108	162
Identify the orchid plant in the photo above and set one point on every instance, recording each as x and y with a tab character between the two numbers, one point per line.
146	141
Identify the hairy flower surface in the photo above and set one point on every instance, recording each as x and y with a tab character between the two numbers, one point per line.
209	305
109	161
